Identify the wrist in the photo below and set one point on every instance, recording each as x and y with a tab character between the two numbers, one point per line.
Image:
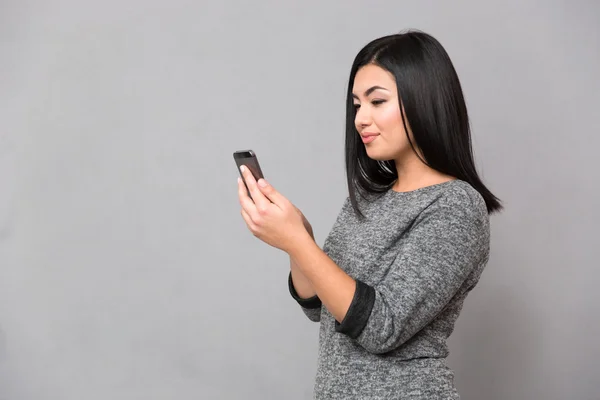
300	244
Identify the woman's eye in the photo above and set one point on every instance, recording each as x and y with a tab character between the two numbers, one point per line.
374	102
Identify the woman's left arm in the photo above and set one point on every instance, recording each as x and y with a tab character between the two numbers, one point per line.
444	250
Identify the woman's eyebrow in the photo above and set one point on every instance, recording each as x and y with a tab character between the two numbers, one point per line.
370	90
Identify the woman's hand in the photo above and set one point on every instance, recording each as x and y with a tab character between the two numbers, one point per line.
307	224
269	216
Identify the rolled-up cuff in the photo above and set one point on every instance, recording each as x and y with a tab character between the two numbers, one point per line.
359	311
310	303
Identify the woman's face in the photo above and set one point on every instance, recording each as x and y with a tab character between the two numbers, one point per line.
378	114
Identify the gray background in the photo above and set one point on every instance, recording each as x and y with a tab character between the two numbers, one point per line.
127	271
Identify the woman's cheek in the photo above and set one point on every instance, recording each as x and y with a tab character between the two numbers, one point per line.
390	119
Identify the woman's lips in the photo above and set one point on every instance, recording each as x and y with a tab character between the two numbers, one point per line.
368	138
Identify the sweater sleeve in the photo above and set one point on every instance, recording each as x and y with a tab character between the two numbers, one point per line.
311	306
445	244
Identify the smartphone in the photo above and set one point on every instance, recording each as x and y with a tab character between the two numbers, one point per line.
249	159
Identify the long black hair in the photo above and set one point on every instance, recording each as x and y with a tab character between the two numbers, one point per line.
430	91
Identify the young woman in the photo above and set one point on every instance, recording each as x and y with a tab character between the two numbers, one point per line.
412	237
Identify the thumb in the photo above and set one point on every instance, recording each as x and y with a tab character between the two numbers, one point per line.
270	193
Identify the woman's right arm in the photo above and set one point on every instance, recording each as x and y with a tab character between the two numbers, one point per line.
301	283
300	287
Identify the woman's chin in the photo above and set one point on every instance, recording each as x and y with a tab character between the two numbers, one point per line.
377	155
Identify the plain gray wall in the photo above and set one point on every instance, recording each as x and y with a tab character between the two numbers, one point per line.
127	271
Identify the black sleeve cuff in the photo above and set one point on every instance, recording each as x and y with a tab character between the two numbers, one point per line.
311	302
359	312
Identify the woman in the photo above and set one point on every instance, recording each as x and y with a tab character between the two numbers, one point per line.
411	239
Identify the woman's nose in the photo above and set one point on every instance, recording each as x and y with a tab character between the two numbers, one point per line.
363	119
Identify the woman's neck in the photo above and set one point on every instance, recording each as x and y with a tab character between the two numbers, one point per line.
415	175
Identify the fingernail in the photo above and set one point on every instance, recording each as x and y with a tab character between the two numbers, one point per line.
262	182
243	169
239	180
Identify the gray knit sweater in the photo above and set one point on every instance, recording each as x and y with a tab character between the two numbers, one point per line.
414	258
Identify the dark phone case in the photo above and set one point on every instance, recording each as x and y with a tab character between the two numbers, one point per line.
248	158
